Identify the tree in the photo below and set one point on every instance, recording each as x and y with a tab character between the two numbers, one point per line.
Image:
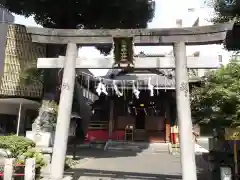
31	76
48	111
88	14
226	10
218	99
91	14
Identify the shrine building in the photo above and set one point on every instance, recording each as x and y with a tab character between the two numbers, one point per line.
132	105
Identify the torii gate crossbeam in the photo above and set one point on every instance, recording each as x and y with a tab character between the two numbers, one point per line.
178	37
168	62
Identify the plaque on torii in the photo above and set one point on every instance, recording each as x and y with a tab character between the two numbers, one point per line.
123	52
176	37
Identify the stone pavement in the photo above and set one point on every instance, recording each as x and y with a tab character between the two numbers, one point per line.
203	141
145	165
126	165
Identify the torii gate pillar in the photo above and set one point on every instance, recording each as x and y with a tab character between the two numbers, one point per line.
64	113
184	113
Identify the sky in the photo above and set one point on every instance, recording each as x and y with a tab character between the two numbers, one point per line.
166	13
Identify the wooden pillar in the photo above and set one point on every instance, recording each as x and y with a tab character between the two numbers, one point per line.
167	120
172	114
111	118
167	130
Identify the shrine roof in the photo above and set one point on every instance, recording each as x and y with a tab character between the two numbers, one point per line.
165	80
161	79
142	54
84	71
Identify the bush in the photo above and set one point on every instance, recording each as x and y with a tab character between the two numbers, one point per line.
17	145
70	163
38	156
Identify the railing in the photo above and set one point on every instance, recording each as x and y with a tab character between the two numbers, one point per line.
89	95
11	170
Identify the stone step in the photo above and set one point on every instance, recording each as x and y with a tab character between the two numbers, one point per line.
135	146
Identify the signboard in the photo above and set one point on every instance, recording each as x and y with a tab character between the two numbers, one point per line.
232	134
123	51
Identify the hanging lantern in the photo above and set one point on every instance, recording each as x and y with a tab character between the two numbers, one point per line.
123	51
118	93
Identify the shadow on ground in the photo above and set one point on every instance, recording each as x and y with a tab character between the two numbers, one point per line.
203	171
80	174
100	153
97	150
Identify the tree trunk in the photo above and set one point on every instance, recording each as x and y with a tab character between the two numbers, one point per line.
47	116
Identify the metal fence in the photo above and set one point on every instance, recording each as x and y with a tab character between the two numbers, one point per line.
11	170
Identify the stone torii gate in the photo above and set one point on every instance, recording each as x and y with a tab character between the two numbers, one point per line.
176	37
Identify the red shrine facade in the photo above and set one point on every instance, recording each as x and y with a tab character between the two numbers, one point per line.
127	118
147	118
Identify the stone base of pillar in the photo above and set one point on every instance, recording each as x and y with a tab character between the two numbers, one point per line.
43	139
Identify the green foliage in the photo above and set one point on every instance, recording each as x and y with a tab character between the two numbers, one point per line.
219	97
70	163
47	115
87	14
226	10
47	78
31	153
17	145
21	148
31	76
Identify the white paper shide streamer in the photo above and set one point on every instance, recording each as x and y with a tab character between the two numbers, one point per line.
150	87
101	88
118	93
136	92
